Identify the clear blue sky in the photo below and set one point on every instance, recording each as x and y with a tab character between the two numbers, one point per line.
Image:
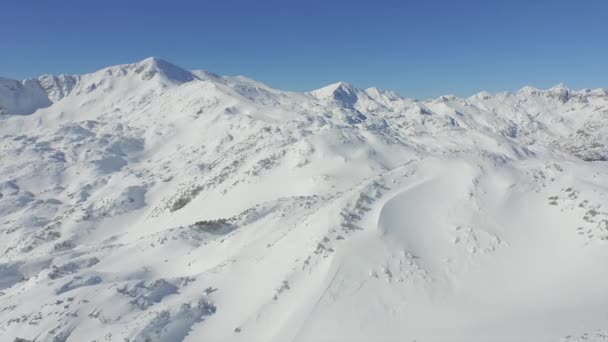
418	48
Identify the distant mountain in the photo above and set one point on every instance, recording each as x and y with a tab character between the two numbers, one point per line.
146	202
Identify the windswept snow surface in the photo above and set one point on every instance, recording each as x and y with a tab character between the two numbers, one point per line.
145	202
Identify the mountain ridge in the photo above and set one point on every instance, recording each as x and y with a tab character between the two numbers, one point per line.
58	86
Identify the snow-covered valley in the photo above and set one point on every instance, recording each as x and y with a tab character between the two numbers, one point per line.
145	202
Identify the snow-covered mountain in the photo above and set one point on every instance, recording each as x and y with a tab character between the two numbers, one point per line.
145	202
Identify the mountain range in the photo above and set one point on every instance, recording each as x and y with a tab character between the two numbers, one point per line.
149	203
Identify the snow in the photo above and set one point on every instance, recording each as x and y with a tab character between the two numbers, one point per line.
21	97
151	203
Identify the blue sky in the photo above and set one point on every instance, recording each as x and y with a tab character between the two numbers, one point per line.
417	48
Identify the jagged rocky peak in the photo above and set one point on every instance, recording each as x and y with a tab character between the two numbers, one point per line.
58	87
342	92
560	91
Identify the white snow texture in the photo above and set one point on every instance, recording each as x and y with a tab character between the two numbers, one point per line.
145	202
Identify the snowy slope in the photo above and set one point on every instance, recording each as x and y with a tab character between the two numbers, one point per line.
145	202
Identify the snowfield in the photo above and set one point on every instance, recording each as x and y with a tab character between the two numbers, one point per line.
148	203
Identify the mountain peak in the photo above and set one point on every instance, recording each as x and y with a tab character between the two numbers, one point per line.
342	92
482	95
151	60
529	90
560	91
559	87
151	66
